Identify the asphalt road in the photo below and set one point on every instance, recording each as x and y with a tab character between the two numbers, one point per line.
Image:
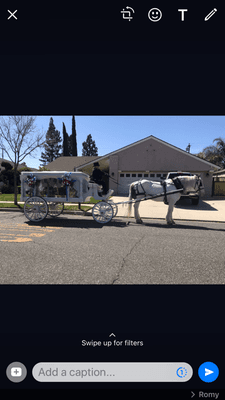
77	250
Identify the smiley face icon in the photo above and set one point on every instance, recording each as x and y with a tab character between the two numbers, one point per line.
155	14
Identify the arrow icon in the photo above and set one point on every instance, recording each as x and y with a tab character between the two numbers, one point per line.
192	394
112	334
208	371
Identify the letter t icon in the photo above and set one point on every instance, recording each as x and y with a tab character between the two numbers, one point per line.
182	10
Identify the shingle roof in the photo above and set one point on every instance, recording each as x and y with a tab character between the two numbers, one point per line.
69	163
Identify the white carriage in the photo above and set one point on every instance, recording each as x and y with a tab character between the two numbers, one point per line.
46	192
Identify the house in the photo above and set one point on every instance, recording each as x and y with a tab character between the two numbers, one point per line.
219	183
149	158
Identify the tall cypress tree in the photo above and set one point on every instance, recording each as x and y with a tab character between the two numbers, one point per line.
65	142
89	147
52	146
74	137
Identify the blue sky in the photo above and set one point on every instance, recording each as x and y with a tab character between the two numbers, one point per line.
113	132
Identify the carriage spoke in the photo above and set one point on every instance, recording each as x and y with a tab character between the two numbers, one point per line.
102	212
55	209
35	209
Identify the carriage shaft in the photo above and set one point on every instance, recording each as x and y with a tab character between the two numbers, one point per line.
151	197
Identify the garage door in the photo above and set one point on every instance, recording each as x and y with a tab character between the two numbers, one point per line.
126	178
219	187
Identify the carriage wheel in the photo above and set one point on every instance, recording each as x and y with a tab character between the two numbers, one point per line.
35	209
102	212
55	209
114	207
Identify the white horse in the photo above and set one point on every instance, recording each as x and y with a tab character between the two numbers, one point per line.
153	188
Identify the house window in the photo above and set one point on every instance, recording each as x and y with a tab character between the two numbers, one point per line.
152	175
121	175
133	175
127	175
158	175
145	175
139	175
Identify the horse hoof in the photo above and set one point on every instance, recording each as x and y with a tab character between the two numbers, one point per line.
139	221
169	222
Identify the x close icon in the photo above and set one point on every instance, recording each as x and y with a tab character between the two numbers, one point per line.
12	14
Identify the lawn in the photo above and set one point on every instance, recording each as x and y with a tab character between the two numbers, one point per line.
10	197
7	205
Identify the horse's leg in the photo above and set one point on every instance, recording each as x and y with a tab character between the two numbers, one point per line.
136	212
169	219
172	201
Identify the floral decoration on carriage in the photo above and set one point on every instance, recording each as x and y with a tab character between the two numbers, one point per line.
67	180
31	180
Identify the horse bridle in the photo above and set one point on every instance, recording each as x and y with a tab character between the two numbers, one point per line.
198	184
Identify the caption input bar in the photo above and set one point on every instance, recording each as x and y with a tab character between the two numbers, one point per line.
112	372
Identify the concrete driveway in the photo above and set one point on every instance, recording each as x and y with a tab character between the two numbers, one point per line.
211	209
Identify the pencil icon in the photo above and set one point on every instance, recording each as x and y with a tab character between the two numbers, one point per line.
210	14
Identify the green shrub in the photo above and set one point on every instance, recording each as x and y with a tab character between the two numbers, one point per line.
6	165
5	189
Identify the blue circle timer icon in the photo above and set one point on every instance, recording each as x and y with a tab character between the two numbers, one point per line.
208	372
181	372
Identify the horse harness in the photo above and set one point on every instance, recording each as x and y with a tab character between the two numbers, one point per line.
138	188
199	184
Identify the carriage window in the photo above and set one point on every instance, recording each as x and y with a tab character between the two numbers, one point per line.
121	175
152	175
139	175
127	175
133	175
50	187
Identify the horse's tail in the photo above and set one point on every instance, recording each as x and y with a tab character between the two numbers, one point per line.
131	195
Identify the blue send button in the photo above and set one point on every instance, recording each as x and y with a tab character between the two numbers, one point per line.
208	372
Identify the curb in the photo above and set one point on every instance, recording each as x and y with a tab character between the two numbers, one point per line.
64	211
11	209
85	213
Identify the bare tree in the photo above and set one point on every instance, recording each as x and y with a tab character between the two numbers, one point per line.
19	136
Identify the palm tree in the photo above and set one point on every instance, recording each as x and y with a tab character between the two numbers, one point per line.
215	154
221	148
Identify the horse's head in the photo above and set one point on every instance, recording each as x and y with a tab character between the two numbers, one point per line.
192	184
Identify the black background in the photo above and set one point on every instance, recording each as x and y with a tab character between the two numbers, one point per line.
93	62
